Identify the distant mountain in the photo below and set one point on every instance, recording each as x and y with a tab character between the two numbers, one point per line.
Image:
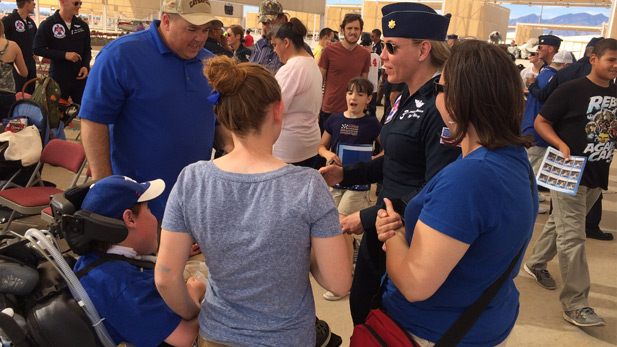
566	19
4	6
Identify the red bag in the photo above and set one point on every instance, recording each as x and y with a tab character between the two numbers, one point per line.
380	330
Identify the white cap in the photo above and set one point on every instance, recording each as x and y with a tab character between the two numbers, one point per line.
563	57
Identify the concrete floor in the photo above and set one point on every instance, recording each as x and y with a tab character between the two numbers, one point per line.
539	323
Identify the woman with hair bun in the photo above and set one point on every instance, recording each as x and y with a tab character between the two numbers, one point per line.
300	81
256	220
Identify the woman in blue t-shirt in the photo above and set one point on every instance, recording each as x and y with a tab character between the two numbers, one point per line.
468	223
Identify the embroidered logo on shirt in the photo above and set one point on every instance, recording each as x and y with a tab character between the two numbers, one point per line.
349	129
19	26
58	31
411	113
419	103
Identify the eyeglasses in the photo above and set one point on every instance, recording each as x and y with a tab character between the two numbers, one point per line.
77	3
438	88
540	48
533	54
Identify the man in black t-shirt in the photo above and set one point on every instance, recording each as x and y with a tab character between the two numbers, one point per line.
578	119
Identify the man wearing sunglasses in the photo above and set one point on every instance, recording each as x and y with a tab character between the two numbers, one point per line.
64	38
534	69
216	42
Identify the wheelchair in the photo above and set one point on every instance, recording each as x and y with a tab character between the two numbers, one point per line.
41	299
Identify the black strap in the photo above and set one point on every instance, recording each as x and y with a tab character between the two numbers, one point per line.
114	257
463	324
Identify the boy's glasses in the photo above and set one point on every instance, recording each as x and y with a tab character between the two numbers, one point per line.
77	3
533	54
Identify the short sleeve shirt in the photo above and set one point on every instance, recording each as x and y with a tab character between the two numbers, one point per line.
341	65
255	233
487	200
583	116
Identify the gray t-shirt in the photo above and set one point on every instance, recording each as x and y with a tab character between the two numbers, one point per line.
255	233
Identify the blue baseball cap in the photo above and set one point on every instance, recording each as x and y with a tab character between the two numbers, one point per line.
112	195
415	21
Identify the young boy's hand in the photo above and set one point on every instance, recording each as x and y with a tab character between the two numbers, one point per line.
332	158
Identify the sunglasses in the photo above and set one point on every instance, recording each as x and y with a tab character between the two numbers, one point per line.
77	3
438	88
533	54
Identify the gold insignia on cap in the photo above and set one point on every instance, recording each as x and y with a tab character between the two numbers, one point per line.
391	24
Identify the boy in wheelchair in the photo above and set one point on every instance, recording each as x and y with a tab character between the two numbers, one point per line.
124	293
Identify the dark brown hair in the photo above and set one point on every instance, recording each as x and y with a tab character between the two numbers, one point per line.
352	17
361	85
483	88
293	30
246	92
237	30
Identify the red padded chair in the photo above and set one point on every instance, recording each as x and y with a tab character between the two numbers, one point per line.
47	214
31	200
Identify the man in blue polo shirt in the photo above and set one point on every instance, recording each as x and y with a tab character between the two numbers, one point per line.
145	113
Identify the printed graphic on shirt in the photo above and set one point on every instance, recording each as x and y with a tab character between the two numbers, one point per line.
601	129
349	129
58	31
394	109
19	26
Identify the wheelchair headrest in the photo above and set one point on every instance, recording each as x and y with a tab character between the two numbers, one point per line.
81	227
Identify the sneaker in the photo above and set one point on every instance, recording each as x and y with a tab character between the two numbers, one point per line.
542	276
331	297
583	317
541	197
542	210
322	333
598	234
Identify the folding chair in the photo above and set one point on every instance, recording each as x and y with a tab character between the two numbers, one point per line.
47	214
30	200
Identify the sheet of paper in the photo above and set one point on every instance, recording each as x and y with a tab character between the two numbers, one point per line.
560	175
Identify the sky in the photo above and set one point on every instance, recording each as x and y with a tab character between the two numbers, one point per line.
517	11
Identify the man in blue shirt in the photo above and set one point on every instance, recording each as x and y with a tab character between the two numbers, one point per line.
145	113
532	108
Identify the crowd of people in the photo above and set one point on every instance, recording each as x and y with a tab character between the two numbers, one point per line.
288	193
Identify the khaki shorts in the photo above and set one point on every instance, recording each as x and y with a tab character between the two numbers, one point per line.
350	201
201	342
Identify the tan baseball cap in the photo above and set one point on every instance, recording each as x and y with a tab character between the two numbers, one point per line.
269	10
196	12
